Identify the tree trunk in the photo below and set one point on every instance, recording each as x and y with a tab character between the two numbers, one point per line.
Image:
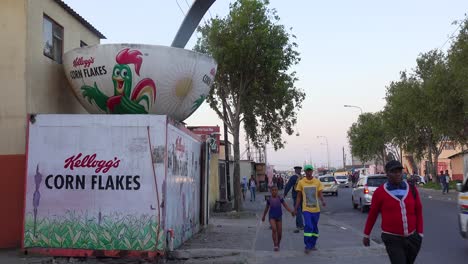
435	163
236	181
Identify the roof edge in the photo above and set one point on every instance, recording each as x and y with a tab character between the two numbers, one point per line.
78	17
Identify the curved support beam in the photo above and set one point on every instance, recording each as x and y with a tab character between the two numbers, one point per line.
191	22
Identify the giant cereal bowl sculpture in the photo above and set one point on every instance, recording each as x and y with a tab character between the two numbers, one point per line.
139	79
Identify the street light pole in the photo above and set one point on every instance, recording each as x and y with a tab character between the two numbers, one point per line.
353	106
328	152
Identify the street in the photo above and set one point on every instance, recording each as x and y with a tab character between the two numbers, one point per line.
442	242
340	240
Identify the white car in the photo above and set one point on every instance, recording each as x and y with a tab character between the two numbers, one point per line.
342	180
463	205
330	185
365	187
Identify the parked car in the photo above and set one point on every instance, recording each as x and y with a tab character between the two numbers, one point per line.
365	187
463	205
418	179
330	185
342	180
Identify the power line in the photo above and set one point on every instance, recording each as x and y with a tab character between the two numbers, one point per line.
180	7
451	36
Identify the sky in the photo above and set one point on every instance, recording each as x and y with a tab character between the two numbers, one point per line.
350	51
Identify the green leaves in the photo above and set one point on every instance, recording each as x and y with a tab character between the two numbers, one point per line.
254	78
118	232
368	137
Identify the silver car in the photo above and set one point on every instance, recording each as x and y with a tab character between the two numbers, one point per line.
330	185
365	187
342	180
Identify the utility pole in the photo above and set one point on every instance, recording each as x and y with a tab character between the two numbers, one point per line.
344	159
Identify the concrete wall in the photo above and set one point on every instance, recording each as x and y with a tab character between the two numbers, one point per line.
12	119
12	75
47	87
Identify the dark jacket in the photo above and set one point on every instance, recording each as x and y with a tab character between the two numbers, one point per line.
291	184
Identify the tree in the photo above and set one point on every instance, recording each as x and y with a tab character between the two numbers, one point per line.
424	110
253	80
458	65
368	138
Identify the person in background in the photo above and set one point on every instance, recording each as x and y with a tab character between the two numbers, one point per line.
400	207
442	181
447	181
252	188
244	186
291	185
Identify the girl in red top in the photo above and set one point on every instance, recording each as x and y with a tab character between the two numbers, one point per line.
402	223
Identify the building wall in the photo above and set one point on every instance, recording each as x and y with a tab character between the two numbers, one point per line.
12	75
31	83
47	88
456	164
214	181
12	119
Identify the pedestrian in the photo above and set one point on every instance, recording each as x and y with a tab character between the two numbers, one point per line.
447	181
273	207
400	207
291	185
252	188
274	181
244	186
442	181
309	191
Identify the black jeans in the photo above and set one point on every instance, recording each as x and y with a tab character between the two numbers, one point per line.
402	250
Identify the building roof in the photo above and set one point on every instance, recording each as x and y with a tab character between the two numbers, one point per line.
80	18
459	153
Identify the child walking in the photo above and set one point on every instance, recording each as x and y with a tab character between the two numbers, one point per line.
275	214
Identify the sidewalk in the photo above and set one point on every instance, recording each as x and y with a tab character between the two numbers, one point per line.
452	196
244	239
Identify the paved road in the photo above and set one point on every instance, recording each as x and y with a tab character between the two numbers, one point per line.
442	243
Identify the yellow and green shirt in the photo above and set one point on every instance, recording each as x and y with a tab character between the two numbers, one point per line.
310	190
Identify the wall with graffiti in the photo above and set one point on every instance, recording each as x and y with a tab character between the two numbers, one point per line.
182	184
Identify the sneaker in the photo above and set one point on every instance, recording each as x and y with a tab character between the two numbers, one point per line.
296	231
276	249
314	249
307	251
301	228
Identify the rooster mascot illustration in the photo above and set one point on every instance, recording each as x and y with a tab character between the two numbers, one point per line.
125	99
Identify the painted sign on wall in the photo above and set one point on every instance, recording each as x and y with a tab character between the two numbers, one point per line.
139	79
95	182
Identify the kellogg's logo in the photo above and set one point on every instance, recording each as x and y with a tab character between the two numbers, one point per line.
89	161
85	62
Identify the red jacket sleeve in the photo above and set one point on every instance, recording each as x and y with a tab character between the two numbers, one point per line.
376	202
419	215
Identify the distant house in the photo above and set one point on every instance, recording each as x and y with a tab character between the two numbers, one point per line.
459	165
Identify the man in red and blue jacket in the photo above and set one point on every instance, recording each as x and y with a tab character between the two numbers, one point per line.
402	222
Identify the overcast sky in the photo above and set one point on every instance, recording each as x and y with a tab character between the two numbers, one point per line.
350	51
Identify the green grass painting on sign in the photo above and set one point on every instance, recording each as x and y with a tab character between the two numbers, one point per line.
113	232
